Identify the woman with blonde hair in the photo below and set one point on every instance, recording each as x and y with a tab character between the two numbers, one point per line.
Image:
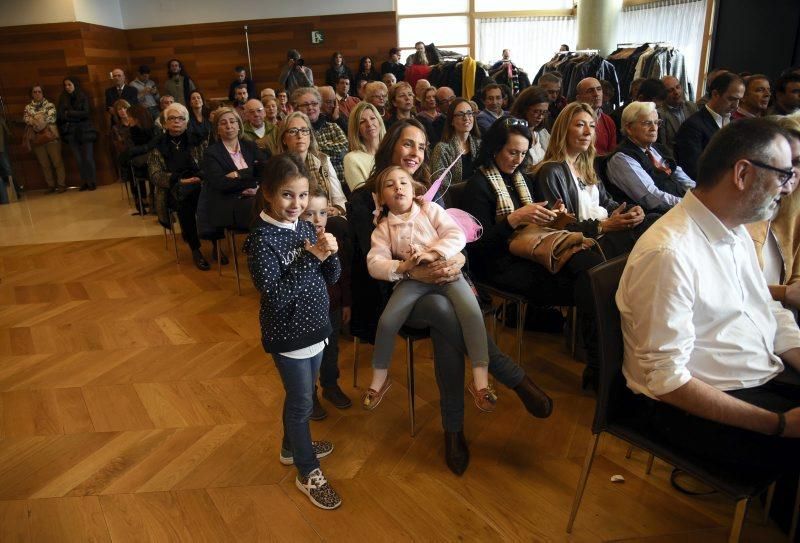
297	136
566	174
365	130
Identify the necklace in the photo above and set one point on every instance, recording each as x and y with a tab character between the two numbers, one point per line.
176	143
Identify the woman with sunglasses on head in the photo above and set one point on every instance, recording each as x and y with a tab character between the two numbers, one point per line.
405	145
532	105
461	135
502	199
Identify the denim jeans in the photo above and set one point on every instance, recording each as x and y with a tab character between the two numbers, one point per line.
298	376
436	312
84	156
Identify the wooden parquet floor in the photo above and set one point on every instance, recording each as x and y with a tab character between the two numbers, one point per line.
136	404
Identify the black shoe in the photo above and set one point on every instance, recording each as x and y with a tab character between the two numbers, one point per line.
335	395
535	400
199	261
84	187
590	379
51	190
92	186
318	412
456	453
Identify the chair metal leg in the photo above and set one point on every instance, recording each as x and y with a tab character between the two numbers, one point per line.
218	247
738	520
410	378
793	528
522	309
768	502
587	466
166	240
232	242
174	238
629	452
356	343
649	468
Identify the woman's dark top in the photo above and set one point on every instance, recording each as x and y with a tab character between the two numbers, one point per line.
467	168
332	75
199	131
73	116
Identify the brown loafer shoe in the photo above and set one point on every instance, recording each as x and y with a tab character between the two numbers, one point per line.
371	398
485	398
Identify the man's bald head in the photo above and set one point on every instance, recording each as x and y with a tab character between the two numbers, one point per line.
254	113
328	96
444	95
590	91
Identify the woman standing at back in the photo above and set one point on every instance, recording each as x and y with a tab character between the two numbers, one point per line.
76	128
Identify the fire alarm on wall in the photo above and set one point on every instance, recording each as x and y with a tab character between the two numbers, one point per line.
317	36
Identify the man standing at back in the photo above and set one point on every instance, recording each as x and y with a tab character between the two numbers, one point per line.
590	91
711	357
120	91
295	74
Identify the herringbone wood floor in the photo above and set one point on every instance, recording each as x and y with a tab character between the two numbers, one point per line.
136	404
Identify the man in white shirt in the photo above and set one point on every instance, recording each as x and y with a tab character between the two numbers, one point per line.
702	334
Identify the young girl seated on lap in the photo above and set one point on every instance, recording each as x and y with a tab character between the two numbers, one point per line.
411	232
290	265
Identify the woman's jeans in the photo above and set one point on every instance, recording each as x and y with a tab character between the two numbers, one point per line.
84	156
299	375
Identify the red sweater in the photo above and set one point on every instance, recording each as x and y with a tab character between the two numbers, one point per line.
605	135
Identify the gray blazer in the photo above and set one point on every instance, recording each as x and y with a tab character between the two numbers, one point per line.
666	134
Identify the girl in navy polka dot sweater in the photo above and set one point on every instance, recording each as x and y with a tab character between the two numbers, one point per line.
290	266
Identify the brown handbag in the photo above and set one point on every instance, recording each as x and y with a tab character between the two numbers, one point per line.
43	137
548	247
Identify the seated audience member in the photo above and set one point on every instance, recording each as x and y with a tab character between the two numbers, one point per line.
270	104
295	73
361	89
164	102
777	239
366	72
336	70
75	126
405	145
364	135
633	94
608	97
418	67
174	168
425	101
674	111
401	102
297	136
787	94
393	65
710	367
461	135
694	134
710	77
257	130
444	97
377	94
755	102
232	167
132	138
284	106
532	106
241	79
240	99
419	87
330	107
590	92
389	80
178	84
327	136
501	199
551	83
147	91
346	102
642	169
200	129
566	174
40	115
268	92
418	56
121	90
492	96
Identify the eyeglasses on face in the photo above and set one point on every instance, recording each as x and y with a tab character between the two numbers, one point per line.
538	112
308	104
298	132
464	114
444	101
650	124
176	118
785	175
513	121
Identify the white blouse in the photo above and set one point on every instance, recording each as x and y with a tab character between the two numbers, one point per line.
588	200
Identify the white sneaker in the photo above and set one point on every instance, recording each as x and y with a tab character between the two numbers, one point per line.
316	487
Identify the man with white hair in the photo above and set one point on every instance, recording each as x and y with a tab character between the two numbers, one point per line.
643	169
330	138
255	129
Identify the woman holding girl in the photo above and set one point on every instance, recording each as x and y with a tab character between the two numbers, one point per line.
297	136
290	266
76	128
365	130
405	146
461	135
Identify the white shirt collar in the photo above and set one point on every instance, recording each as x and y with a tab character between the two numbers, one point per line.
719	119
279	224
708	223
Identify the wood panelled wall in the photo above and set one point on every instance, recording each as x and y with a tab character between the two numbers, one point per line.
45	54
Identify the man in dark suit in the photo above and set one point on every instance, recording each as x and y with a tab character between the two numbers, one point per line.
120	91
725	93
674	111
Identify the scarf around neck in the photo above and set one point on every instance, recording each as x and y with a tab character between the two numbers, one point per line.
505	205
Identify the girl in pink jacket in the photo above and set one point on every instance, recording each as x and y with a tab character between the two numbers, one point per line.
414	232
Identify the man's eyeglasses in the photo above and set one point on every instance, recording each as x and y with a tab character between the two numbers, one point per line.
298	132
649	124
464	115
441	102
176	118
538	113
785	175
308	104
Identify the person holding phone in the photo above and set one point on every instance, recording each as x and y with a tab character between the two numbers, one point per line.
295	74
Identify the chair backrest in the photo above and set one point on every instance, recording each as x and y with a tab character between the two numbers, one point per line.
454	195
601	168
604	280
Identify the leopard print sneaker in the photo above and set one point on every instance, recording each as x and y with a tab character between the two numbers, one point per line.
316	487
321	449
